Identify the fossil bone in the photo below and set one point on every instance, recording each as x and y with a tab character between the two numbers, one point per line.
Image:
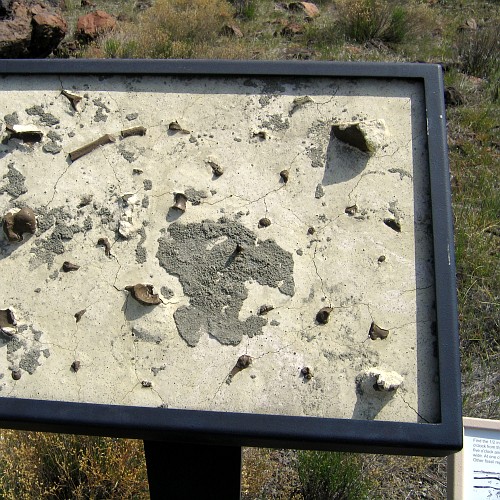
244	361
264	309
351	210
88	148
306	373
393	224
18	223
323	315
261	134
174	126
26	133
79	314
298	102
217	170
104	242
180	200
7	322
75	366
128	132
144	294
285	175
377	333
68	266
264	222
73	98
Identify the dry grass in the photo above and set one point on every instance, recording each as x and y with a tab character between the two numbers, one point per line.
59	466
169	29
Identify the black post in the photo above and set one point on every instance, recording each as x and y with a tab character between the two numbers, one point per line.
191	471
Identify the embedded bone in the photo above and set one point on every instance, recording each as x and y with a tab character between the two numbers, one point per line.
68	266
79	314
175	127
26	133
366	136
377	333
144	294
180	200
323	315
74	99
88	148
264	222
128	132
20	222
104	242
244	361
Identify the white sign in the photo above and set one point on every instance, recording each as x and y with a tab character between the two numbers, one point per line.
476	470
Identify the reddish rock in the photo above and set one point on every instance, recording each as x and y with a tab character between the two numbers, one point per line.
30	30
90	26
292	29
15	34
309	9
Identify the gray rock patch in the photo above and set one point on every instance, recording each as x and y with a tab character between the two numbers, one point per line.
142	334
15	186
45	118
215	279
167	292
320	192
29	361
11	119
276	123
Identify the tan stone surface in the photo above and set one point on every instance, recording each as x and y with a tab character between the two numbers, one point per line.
312	255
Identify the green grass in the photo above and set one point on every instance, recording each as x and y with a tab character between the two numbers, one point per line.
332	476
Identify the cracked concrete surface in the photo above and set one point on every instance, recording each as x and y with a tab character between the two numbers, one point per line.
214	264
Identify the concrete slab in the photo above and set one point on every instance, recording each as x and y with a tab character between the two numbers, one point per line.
283	217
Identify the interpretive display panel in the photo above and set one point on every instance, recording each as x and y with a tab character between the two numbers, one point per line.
248	244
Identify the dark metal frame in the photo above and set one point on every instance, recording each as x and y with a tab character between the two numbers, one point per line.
211	430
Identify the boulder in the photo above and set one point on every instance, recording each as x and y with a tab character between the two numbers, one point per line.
4	8
15	34
29	30
94	24
47	32
292	29
231	30
309	9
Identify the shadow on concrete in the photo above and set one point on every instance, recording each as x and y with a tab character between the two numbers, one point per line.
133	310
173	214
369	400
343	162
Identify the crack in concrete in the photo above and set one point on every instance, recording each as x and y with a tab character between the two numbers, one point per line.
411	408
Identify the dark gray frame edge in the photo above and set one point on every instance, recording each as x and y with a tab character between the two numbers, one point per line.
238	429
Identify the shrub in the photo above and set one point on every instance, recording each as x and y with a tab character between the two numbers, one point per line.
245	9
170	29
59	466
332	476
365	20
478	52
189	21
